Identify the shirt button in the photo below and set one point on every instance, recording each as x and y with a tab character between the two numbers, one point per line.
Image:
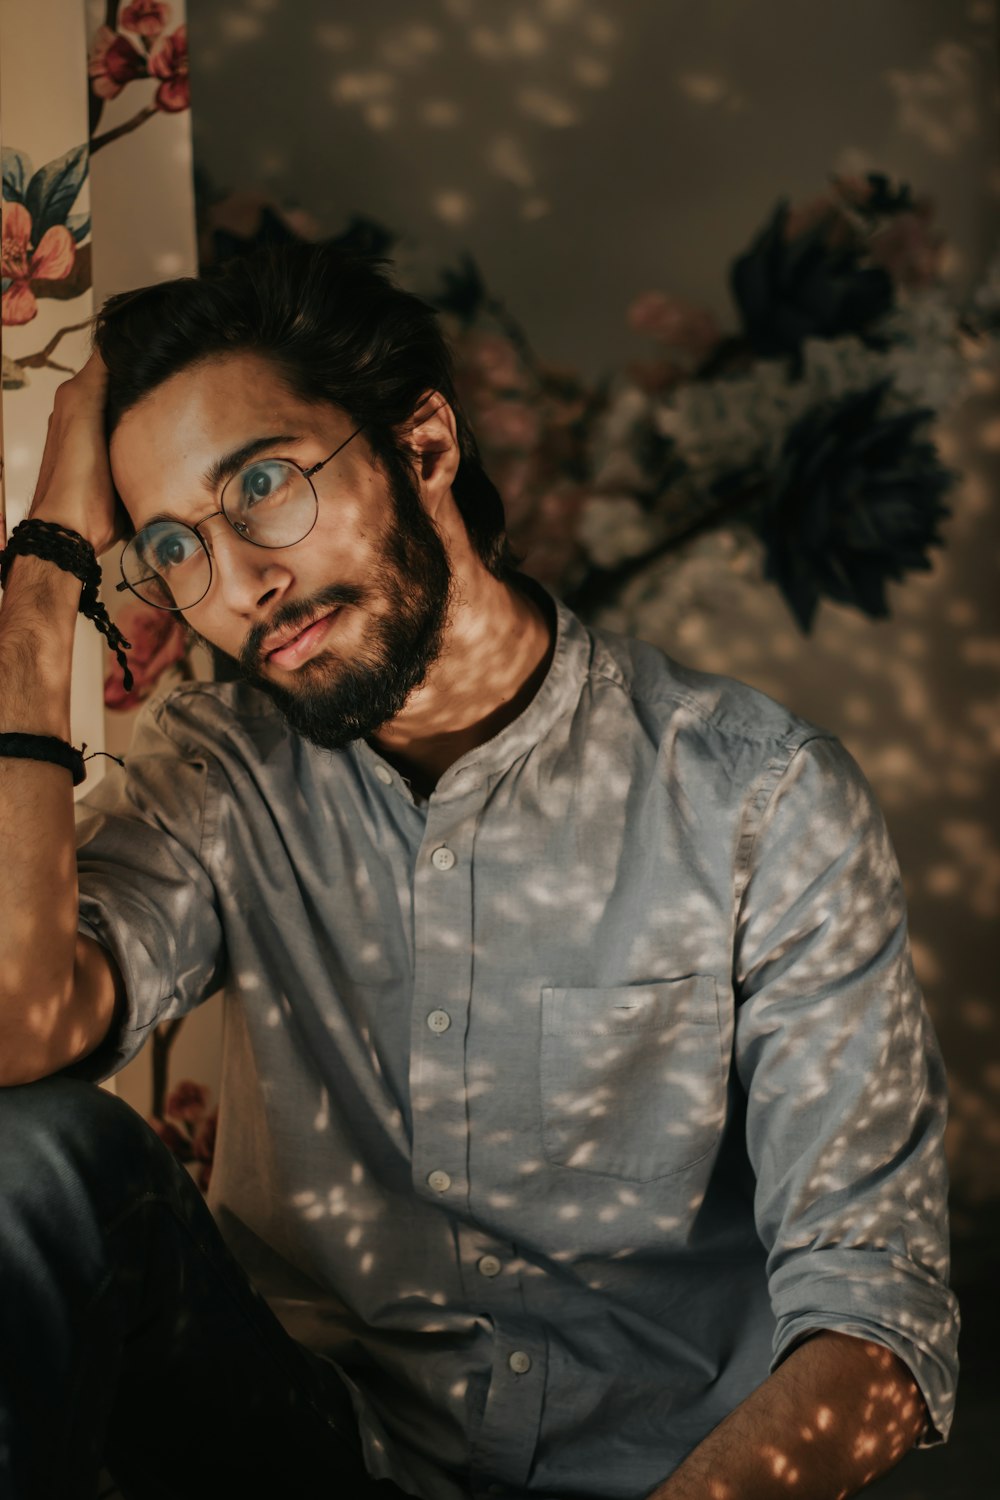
439	1181
384	775
439	1020
443	858
520	1362
490	1266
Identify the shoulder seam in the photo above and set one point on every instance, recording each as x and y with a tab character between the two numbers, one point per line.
777	769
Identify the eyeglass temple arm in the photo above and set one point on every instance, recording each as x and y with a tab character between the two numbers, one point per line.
308	473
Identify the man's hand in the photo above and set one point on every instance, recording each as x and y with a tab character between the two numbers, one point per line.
837	1413
74	482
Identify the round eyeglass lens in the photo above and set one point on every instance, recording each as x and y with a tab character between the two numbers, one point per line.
271	503
167	565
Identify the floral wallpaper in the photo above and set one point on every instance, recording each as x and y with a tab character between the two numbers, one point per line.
46	236
93	157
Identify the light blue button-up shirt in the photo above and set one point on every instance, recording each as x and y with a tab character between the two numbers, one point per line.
557	1107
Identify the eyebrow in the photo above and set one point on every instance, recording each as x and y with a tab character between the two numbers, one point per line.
229	464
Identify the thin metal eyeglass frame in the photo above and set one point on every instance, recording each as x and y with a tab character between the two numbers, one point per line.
307	474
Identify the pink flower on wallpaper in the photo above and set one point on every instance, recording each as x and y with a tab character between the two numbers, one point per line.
51	260
113	63
176	1142
678	325
910	250
159	640
495	361
548	538
508	424
203	1140
169	61
147	18
188	1101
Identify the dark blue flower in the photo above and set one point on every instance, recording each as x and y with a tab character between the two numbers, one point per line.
855	501
811	286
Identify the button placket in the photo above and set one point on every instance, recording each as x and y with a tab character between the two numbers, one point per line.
442	938
504	1448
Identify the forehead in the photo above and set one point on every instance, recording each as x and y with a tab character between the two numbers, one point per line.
163	446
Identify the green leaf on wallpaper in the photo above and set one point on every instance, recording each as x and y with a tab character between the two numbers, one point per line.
17	173
15	377
78	226
55	188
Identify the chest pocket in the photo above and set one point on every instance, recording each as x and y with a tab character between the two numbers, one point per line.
632	1079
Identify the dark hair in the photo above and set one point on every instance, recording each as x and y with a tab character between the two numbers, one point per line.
337	329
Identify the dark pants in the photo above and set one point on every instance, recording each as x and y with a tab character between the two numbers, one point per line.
131	1338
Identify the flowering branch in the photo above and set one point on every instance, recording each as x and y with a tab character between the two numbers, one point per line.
41	360
602	585
113	135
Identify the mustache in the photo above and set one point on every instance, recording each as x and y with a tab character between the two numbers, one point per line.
288	616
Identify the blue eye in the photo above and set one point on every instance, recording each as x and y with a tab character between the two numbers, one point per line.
263	481
169	546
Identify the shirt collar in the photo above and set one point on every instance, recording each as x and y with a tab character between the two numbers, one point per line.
559	692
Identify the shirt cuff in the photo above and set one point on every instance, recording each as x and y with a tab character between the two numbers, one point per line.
876	1295
128	1034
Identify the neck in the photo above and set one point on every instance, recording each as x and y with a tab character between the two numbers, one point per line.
496	652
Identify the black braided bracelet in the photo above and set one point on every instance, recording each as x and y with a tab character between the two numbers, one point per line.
74	554
44	747
17	746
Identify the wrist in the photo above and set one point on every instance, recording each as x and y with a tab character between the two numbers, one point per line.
69	520
43	580
76	556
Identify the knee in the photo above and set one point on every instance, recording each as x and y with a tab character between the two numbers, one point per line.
61	1124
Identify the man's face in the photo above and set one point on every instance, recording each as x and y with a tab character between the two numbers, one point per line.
373	570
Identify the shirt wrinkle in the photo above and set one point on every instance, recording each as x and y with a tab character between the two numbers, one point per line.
531	1084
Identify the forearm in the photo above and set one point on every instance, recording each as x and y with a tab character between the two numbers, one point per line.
837	1412
38	887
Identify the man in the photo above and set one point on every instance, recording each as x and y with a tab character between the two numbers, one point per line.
580	1116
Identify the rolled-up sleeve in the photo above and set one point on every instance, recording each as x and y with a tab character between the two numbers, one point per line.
145	892
846	1092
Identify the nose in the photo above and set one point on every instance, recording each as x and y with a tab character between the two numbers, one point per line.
245	576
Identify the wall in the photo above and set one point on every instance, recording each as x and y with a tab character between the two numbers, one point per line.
584	153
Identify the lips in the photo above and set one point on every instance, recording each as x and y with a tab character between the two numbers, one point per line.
301	646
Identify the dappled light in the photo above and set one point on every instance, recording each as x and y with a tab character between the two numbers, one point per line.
488	1106
577	1095
915	700
528	70
858	1439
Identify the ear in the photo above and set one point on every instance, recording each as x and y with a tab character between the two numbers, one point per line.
432	435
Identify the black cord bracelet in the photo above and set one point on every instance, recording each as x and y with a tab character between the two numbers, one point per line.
44	747
18	746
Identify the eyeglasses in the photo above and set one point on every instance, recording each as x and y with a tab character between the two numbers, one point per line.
271	502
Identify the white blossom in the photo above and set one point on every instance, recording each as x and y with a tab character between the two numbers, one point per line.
613	529
738	420
614	464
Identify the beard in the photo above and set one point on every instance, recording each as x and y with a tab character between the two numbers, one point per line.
336	700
